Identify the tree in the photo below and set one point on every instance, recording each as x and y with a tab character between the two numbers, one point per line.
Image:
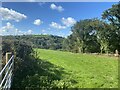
84	36
112	15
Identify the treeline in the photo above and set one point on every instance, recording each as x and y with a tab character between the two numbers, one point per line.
95	35
40	41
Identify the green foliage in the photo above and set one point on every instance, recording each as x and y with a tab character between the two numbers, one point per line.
43	41
39	41
84	38
94	35
112	15
37	73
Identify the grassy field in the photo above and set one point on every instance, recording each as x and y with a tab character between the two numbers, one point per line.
82	70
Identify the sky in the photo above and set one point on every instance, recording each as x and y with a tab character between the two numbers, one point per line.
54	18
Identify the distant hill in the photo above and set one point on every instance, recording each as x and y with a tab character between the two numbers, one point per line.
38	41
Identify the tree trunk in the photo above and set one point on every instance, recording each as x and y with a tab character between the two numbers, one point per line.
101	50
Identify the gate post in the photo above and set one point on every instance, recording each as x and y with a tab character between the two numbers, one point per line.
116	53
8	55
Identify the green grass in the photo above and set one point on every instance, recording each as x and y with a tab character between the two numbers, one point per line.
83	70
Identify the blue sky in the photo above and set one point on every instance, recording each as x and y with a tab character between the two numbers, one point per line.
51	18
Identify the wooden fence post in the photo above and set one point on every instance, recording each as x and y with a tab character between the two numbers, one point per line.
8	55
116	53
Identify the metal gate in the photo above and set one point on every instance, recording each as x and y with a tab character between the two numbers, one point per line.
6	74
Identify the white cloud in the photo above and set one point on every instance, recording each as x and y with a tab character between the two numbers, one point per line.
44	33
9	14
55	7
70	32
56	25
10	29
68	21
43	30
29	32
37	22
18	32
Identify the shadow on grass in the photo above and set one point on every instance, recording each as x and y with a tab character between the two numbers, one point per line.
36	73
